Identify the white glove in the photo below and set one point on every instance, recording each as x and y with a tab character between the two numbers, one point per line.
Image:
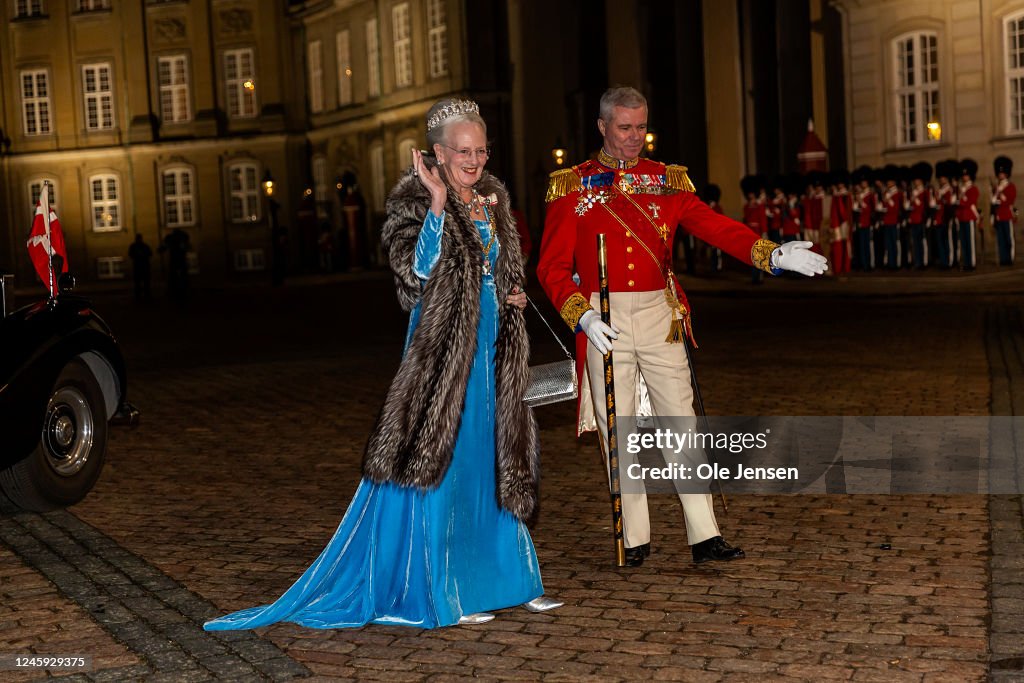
599	334
798	257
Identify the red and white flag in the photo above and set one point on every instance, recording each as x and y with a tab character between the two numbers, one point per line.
46	243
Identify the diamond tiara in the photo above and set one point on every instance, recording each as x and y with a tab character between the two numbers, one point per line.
456	108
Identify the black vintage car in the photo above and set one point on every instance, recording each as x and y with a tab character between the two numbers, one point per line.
62	379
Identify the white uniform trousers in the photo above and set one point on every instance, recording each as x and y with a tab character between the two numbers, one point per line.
643	322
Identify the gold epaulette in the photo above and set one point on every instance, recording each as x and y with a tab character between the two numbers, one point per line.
676	178
562	183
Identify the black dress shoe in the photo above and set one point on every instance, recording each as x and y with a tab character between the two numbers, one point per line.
715	548
635	556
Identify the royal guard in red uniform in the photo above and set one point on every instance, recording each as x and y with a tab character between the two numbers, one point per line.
945	212
889	209
918	204
638	204
840	220
904	181
792	211
814	209
713	198
1004	196
967	213
864	218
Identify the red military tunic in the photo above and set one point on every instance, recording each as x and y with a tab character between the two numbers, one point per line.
943	204
918	206
865	206
967	209
638	207
755	215
791	218
814	210
1005	196
841	210
891	204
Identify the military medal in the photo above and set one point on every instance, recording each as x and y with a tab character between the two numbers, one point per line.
588	200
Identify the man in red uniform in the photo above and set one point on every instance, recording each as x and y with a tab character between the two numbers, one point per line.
1004	195
840	219
864	213
637	204
889	207
814	209
917	205
792	211
946	173
967	212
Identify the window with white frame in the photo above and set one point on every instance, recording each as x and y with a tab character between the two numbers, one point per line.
92	5
437	38
35	188
316	77
372	59
172	75
377	173
28	8
179	197
249	259
240	81
35	101
403	44
105	202
1014	33
98	95
916	95
110	268
243	181
344	53
320	186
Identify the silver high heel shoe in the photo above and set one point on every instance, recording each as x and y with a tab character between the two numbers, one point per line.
476	618
542	604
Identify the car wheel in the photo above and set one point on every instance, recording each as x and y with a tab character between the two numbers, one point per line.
69	456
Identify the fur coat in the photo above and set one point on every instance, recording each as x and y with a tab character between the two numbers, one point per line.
414	437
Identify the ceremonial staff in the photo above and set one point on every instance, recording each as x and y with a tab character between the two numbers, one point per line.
609	393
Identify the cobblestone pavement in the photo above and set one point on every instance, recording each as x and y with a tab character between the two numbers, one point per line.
256	406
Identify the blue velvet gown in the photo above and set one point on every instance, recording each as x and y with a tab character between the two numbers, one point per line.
421	558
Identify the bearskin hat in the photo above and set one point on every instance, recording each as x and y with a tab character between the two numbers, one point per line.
712	193
969	168
948	169
749	185
1003	165
861	174
922	171
890	172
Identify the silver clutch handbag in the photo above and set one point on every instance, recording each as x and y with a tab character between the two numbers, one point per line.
552	382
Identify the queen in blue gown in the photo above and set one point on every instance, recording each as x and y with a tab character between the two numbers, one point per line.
436	532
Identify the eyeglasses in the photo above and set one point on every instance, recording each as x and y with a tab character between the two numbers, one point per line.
481	152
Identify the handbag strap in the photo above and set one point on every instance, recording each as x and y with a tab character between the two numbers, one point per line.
548	325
